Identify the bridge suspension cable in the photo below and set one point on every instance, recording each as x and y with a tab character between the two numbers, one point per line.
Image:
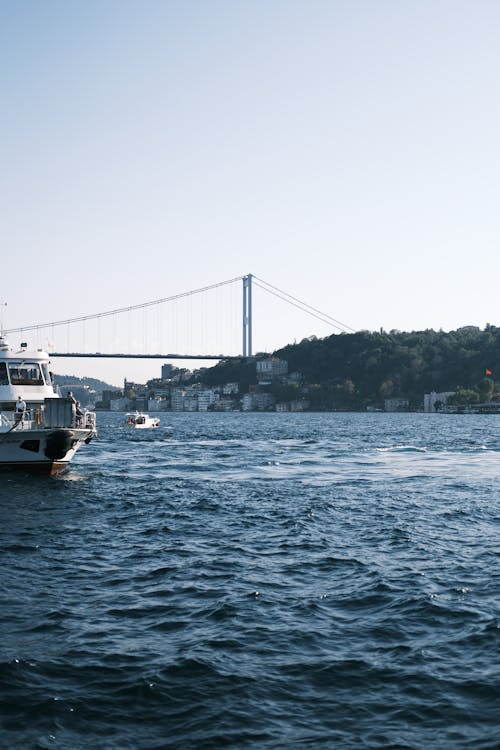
143	305
323	317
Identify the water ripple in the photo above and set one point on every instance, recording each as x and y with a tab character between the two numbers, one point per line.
256	581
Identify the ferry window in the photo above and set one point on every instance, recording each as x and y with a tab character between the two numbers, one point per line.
26	373
4	380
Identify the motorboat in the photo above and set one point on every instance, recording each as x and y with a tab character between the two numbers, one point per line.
140	421
40	431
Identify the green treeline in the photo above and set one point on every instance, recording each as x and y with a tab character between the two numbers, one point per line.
359	370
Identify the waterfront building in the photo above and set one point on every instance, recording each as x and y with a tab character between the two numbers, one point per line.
230	389
271	369
206	398
396	404
257	401
432	398
177	399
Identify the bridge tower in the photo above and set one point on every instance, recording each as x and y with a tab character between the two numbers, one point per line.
247	315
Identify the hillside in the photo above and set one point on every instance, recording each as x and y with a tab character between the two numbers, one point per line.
92	383
86	390
365	368
362	369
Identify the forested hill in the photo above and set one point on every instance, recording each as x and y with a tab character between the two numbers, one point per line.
367	367
75	380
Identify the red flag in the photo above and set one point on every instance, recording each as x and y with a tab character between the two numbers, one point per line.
488	372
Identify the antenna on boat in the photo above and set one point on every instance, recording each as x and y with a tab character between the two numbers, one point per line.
2	305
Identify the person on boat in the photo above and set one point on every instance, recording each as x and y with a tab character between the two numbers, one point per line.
79	414
20	409
72	399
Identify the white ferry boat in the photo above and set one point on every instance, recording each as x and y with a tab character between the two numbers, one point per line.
141	421
39	430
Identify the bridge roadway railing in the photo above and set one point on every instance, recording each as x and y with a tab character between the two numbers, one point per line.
103	355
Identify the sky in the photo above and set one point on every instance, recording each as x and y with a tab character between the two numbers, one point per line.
345	152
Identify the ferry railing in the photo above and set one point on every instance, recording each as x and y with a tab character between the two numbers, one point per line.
89	420
16	421
58	413
4	422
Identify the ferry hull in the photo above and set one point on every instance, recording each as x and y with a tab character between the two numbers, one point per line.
44	468
47	451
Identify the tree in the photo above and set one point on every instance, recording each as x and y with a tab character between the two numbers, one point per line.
386	389
464	396
486	387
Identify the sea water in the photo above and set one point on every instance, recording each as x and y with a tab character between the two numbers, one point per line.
256	581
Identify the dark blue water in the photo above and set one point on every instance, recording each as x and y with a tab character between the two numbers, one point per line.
256	581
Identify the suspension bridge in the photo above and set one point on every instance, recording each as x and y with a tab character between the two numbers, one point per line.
150	330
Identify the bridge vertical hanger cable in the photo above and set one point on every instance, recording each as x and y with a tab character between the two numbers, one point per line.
144	343
175	327
158	328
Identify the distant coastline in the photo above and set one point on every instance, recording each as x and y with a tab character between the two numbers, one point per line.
452	372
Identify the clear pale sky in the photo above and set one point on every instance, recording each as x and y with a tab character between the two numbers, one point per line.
345	152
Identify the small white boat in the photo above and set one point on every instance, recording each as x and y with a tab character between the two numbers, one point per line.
40	431
141	421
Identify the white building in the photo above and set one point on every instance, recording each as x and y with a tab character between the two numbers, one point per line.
257	401
269	369
191	402
396	404
158	404
119	404
282	407
206	398
226	404
177	399
430	400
